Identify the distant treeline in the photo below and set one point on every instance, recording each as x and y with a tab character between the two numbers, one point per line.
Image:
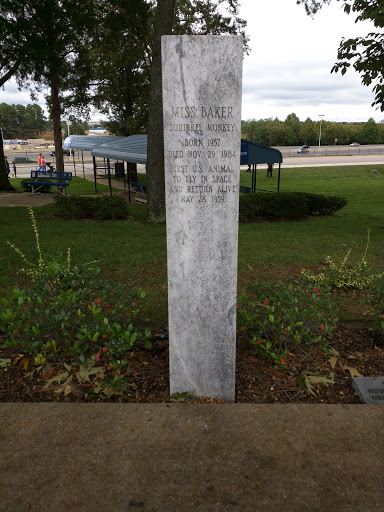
293	132
29	122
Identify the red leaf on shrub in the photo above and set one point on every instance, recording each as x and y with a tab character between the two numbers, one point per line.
317	291
322	327
97	301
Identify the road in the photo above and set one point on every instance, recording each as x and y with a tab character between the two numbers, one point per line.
23	171
320	160
373	149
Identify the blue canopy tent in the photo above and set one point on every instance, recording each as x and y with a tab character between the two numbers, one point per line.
253	154
133	150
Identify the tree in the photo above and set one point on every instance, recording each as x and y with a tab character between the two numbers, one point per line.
292	130
364	54
121	64
277	133
22	122
77	128
369	132
308	133
178	17
44	45
164	19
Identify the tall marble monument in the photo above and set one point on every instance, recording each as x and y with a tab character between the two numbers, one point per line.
202	136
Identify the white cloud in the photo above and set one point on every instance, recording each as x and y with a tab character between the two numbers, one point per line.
289	67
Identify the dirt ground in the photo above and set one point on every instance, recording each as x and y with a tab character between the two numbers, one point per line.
25	199
355	353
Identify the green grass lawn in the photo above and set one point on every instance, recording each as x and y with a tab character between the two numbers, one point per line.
77	186
134	252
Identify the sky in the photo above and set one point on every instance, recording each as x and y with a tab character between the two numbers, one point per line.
288	68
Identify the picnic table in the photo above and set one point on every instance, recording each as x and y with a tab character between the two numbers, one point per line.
60	180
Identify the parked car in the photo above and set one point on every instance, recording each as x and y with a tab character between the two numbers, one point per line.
304	149
66	152
355	144
22	160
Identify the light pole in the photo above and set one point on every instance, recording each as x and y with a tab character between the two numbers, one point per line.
321	119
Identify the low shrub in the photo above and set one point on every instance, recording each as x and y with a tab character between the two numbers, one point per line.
26	187
71	314
97	208
340	274
287	205
282	205
276	316
318	204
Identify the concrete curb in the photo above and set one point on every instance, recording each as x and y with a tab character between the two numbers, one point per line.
174	457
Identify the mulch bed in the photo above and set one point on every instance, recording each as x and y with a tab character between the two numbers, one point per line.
359	352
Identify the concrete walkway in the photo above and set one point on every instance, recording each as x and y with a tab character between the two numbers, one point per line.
190	457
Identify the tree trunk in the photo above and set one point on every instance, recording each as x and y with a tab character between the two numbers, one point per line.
56	118
155	161
4	181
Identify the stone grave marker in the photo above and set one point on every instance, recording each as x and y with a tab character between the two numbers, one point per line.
202	78
370	391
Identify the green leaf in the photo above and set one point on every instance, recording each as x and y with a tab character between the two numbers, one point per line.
187	396
4	362
308	379
58	379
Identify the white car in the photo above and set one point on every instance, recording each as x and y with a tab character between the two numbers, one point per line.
355	144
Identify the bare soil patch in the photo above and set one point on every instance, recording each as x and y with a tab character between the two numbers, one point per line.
25	199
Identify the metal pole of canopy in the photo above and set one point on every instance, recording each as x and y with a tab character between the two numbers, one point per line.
278	181
125	187
94	172
74	163
129	183
109	177
254	177
82	159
